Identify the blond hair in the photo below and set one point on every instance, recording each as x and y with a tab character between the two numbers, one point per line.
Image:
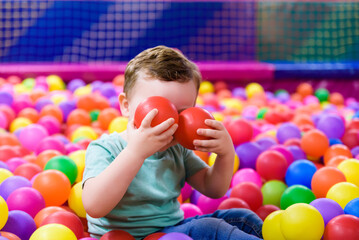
163	63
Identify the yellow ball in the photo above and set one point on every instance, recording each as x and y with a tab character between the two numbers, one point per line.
19	89
213	156
84	132
81	91
4	174
75	200
206	87
79	158
58	98
232	103
253	89
199	101
218	116
271	226
18	123
119	124
4	212
53	231
55	83
302	221
343	193
350	168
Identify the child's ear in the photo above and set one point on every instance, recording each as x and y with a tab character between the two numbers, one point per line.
124	104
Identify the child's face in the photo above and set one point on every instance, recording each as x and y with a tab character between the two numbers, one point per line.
182	95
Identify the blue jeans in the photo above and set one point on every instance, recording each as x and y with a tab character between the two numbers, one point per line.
236	223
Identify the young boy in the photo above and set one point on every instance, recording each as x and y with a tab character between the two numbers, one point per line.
132	179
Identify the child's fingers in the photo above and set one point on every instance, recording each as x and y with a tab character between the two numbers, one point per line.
206	132
205	145
147	120
214	124
164	125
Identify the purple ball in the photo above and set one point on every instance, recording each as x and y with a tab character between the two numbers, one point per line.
355	150
265	143
67	107
332	126
239	92
75	84
194	196
297	152
114	103
328	208
175	236
6	98
20	223
247	154
108	90
283	97
287	131
51	124
4	165
42	102
11	184
26	199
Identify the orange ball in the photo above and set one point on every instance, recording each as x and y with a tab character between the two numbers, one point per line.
52	110
324	178
9	235
106	116
45	156
79	116
203	155
305	89
54	186
29	113
117	234
8	139
336	150
314	143
92	102
335	161
302	119
36	94
336	98
43	213
119	80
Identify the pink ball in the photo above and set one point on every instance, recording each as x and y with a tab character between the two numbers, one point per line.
51	124
26	199
190	210
186	191
31	136
51	143
3	121
285	152
209	205
72	147
246	175
13	163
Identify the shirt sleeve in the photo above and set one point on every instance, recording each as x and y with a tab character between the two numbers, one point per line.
193	163
97	159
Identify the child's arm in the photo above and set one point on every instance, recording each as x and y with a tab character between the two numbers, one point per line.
214	181
103	192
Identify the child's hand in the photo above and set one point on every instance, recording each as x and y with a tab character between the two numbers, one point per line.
147	140
220	142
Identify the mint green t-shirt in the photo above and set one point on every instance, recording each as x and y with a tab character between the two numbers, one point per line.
150	202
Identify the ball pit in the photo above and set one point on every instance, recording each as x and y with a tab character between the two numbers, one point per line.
296	155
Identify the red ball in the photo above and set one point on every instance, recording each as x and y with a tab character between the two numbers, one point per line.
233	203
342	227
271	165
154	236
27	170
67	219
165	108
250	193
117	235
265	210
189	121
240	131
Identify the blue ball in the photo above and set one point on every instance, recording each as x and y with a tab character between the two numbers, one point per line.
300	172
352	207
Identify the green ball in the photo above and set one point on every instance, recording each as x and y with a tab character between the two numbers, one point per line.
261	113
29	83
280	91
94	115
272	192
296	194
322	94
65	165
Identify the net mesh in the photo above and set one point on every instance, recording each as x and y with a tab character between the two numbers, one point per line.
102	31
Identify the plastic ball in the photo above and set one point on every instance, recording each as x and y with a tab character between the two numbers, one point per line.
189	121
284	151
206	87
43	213
314	143
31	136
287	131
65	165
51	124
248	154
250	193
79	159
253	89
11	184
106	116
84	132
53	231
302	221
6	98
118	124
213	156
296	152
271	165
266	142
55	83
186	191
54	186
246	175
350	138
350	168
117	234
8	236
300	172
19	123
352	207
52	110
26	199
75	200
75	83
324	178
328	208
190	210
4	212
49	143
67	219
271	226
20	223
296	194
332	126
45	156
342	227
154	236
305	89
4	174
343	193
209	205
272	192
233	202
175	236
322	94
79	116
265	210
240	130
4	122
